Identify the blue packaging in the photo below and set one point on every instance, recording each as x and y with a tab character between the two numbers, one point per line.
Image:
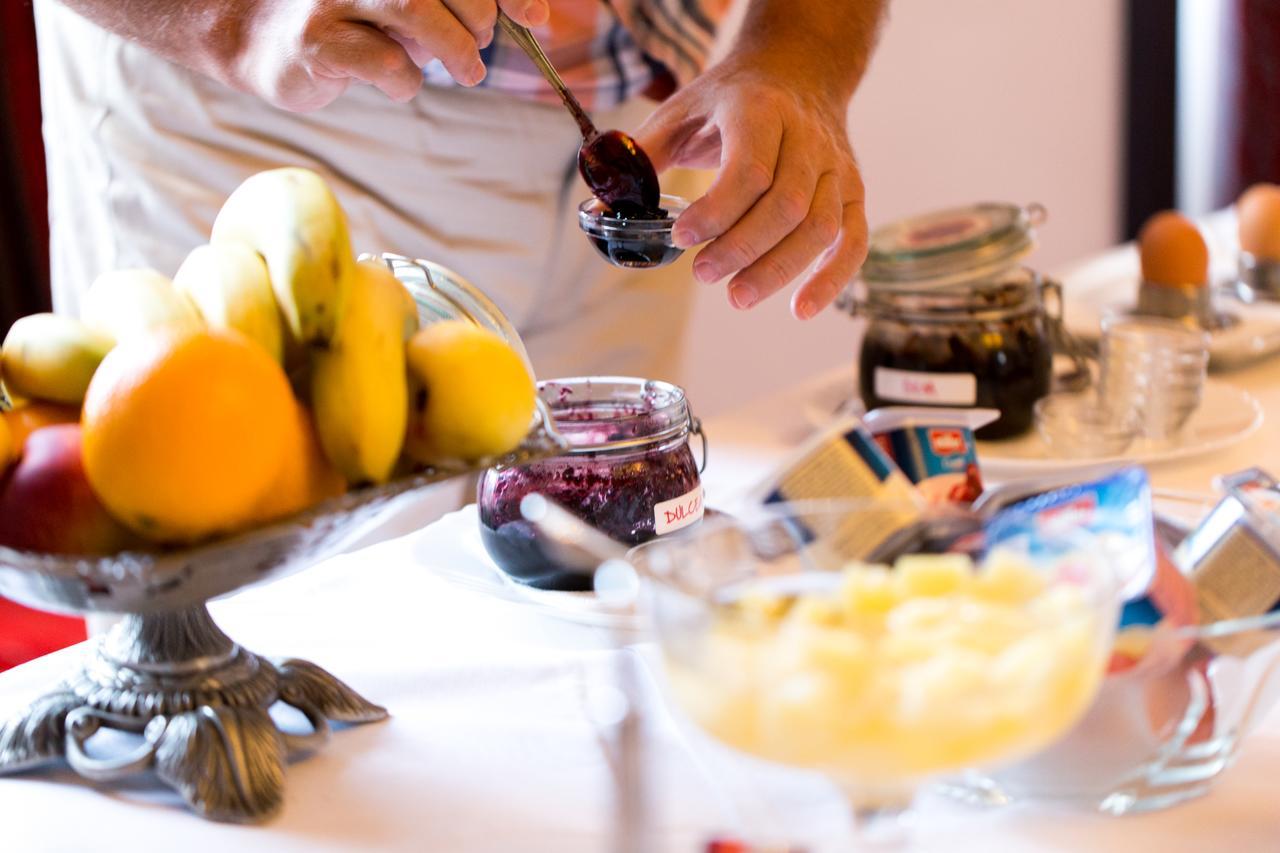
1116	507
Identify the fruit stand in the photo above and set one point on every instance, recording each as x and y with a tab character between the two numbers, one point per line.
186	438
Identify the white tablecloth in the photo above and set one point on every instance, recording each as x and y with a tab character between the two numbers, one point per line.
494	744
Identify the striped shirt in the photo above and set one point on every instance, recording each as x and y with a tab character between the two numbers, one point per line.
607	51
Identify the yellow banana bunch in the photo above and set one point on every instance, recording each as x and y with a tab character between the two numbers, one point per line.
123	304
291	218
229	284
51	357
359	390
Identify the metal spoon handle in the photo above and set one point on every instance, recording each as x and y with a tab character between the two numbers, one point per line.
525	39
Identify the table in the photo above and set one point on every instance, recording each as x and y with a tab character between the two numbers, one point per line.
497	741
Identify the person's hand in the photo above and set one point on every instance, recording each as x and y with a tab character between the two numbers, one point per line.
788	190
302	54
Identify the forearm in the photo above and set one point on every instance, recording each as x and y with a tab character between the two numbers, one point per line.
203	35
824	44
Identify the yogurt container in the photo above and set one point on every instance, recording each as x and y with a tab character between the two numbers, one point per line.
934	448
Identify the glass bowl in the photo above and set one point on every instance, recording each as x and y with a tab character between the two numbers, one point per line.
778	642
632	243
1159	734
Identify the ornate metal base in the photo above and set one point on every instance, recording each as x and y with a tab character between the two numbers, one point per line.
200	703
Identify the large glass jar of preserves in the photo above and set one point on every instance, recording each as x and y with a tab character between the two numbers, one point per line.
954	318
630	473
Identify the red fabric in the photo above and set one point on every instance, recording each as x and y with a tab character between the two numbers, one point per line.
26	634
1259	137
22	88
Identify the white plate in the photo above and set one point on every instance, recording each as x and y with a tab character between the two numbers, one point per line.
1227	415
451	548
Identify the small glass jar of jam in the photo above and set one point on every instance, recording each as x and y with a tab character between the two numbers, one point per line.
634	242
629	472
954	318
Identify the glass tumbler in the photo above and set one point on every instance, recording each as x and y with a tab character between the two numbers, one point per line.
1152	370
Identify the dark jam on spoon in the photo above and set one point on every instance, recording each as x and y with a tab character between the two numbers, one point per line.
622	177
620	174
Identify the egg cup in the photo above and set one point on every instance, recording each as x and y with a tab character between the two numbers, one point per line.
1258	279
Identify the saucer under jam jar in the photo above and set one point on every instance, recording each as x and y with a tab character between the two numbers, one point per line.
630	473
953	317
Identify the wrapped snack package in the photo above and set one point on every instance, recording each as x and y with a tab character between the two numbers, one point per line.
1158	599
934	447
844	462
1233	556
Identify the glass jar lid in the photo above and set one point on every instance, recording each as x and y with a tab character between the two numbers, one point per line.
951	246
607	414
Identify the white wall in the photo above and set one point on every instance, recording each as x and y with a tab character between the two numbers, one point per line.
966	100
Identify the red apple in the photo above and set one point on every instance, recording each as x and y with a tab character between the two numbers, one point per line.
46	503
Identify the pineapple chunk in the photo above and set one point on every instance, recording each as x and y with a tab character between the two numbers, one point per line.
933	574
868	591
1008	577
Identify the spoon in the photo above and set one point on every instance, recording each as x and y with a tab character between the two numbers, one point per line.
616	169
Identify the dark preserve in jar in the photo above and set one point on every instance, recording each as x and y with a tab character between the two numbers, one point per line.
954	319
985	346
630	473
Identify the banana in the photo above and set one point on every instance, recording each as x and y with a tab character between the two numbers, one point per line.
228	283
52	357
291	218
126	303
359	389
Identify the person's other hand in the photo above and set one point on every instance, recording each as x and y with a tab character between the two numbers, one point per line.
302	54
788	190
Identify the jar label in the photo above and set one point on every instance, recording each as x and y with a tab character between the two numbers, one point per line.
670	516
912	386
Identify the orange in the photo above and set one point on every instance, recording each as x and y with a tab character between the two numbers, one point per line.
183	434
306	476
29	417
8	450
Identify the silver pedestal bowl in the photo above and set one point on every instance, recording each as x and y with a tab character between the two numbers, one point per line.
167	673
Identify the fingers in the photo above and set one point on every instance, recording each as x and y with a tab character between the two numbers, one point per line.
665	132
780	265
750	149
789	200
417	52
437	29
837	267
479	17
363	52
530	13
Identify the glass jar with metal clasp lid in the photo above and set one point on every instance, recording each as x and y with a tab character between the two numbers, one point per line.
955	319
629	472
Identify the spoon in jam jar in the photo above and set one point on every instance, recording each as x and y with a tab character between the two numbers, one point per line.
616	169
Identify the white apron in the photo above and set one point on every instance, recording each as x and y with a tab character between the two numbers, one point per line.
141	154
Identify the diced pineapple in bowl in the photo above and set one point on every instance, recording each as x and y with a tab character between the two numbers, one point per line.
880	676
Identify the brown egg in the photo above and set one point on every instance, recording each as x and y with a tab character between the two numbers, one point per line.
1173	251
1258	212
